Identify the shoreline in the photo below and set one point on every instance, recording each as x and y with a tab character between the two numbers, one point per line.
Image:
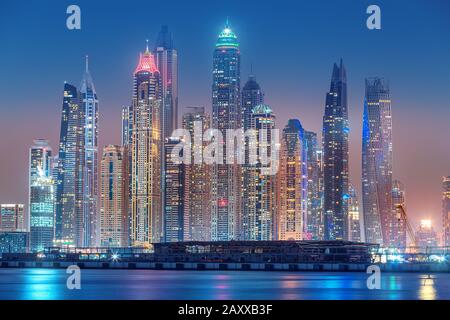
214	266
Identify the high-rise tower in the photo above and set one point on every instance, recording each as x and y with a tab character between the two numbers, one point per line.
226	180
70	158
197	186
41	202
335	156
379	214
399	225
166	60
87	219
292	183
446	210
354	215
146	153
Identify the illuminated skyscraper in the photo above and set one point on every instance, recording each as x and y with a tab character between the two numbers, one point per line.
166	59
226	180
69	160
251	97
174	176
446	210
425	235
354	214
399	227
335	156
292	183
315	193
42	222
87	218
259	181
146	151
127	121
197	193
12	218
379	214
114	218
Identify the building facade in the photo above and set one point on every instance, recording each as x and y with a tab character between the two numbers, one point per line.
166	59
379	214
197	193
335	156
292	183
174	179
425	235
354	215
146	154
12	218
314	227
114	217
70	157
258	219
226	178
42	196
446	210
87	217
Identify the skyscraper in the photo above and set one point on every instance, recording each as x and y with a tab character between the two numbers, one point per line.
425	235
354	224
251	97
335	156
41	202
315	193
174	176
379	214
166	59
12	218
399	226
446	210
114	218
197	193
69	161
259	205
292	183
87	218
146	152
226	180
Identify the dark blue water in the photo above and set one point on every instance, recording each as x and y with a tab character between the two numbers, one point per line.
155	284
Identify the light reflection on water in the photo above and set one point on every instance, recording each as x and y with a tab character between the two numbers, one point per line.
48	284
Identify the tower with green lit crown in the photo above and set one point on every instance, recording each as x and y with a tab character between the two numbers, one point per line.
226	181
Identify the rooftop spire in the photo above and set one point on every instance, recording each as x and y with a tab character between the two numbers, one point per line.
87	63
146	46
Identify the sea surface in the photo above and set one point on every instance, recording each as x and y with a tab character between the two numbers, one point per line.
50	284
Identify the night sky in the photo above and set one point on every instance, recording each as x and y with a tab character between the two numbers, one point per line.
292	46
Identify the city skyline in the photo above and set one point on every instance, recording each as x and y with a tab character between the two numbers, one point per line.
112	127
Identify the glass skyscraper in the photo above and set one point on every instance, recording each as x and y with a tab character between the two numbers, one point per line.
146	153
399	230
446	210
12	218
335	156
226	180
174	179
87	218
354	215
41	191
292	183
69	159
379	213
314	219
197	187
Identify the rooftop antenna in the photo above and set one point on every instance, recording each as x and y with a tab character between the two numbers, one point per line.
87	63
146	46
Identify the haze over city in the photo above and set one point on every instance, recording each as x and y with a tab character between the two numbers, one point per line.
291	48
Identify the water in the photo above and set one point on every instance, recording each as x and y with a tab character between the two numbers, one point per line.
178	285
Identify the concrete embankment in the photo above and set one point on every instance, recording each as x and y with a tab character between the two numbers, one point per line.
315	267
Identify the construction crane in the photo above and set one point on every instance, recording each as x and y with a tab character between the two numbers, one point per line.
409	229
